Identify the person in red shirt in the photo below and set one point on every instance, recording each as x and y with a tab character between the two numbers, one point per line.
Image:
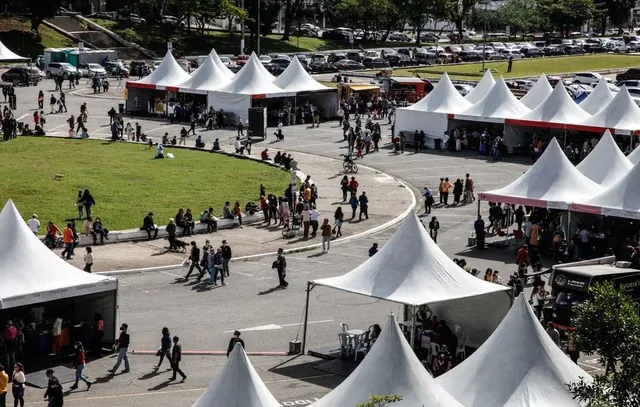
67	238
353	185
523	256
265	155
80	363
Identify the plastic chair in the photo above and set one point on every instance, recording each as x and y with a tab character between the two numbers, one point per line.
344	327
462	347
342	338
359	346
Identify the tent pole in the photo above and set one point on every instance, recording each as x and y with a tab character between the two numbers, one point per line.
413	328
565	137
306	317
478	206
568	224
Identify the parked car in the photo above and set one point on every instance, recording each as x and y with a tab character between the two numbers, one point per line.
318	58
635	83
574	50
91	70
21	75
335	35
322	67
531	52
587	77
172	20
634	46
371	63
226	61
616	46
470	56
134	18
402	60
634	92
400	37
387	52
524	84
265	59
241	60
306	32
274	69
281	62
348	65
116	68
335	57
60	68
425	57
553	50
512	53
355	56
593	48
429	37
405	51
463	88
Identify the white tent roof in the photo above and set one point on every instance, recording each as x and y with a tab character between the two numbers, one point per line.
237	385
168	73
499	104
518	366
216	60
427	276
253	79
206	78
296	79
621	113
482	88
390	368
598	98
538	93
606	164
7	55
634	156
558	107
31	273
551	182
444	98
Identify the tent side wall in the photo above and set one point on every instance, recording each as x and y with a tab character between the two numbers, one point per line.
433	124
138	99
230	103
327	101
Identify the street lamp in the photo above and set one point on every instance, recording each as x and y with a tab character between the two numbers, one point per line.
484	36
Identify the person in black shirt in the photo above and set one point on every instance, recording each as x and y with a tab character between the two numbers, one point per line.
281	266
373	249
195	261
176	357
123	347
232	342
226	256
54	391
149	225
165	347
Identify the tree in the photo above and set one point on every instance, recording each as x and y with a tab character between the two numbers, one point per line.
380	401
458	10
520	15
609	325
566	14
41	10
290	10
418	13
618	11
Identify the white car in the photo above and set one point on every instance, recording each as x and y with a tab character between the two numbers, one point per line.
463	88
616	46
226	61
634	92
634	46
91	70
172	20
587	78
156	64
524	84
512	53
265	59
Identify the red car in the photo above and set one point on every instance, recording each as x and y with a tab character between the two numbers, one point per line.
241	60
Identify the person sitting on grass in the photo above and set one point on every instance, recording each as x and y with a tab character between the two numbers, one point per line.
159	151
199	142
264	155
216	145
149	225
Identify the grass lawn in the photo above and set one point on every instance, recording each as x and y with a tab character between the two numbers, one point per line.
529	66
16	34
125	180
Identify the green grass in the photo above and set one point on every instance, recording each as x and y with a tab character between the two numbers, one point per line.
195	43
529	67
16	34
125	180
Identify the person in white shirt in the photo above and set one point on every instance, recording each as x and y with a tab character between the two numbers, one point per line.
315	220
56	332
238	146
278	133
88	260
306	220
34	224
526	228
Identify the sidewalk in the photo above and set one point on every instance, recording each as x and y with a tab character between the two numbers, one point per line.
388	199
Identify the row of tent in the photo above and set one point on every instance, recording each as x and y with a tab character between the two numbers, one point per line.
517	366
604	183
213	75
492	101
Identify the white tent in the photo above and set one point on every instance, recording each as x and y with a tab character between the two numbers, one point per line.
6	55
518	366
223	68
482	88
206	78
31	273
167	75
605	164
498	105
538	93
431	114
296	79
558	108
621	115
552	182
237	385
634	156
598	98
390	368
427	276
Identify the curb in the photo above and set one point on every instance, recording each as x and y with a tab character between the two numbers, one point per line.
209	353
92	96
341	241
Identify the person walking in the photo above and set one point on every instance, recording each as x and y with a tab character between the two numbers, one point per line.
54	393
79	364
226	257
232	342
67	238
353	201
344	186
338	218
122	344
281	266
18	385
214	264
194	256
445	186
364	205
88	202
457	191
176	357
40	99
428	200
4	380
165	348
88	259
325	231
306	220
434	226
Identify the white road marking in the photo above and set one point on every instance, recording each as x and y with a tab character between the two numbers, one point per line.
57	127
244	274
160	128
274	327
170	274
23	116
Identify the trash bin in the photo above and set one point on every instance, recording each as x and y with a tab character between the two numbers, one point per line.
437	144
121	108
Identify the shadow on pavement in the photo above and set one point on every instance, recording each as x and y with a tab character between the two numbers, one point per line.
308	372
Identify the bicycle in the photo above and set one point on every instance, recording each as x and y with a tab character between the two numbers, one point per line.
349	165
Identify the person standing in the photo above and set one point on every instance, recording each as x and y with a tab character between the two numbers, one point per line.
364	205
509	64
79	364
315	220
468	189
457	191
165	348
194	256
122	345
18	385
232	342
445	186
79	204
88	259
478	226
4	380
306	220
553	333
34	224
54	391
214	263
88	202
281	266
434	226
325	231
67	238
344	186
176	357
98	333
226	257
428	200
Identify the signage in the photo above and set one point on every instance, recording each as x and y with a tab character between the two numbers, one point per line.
169	46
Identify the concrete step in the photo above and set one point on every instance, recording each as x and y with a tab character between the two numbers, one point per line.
67	23
129	53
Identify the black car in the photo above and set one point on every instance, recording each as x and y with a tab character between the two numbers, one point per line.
335	57
470	56
574	50
283	62
306	32
532	52
594	49
322	67
275	69
21	76
401	60
405	51
334	35
372	63
136	68
553	51
348	65
355	56
630	74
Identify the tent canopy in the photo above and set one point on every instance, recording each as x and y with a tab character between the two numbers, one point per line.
427	276
390	367
634	157
482	88
605	164
598	98
296	79
6	55
558	108
444	98
206	78
31	273
538	93
551	182
621	114
167	75
237	385
499	104
531	370
223	68
253	79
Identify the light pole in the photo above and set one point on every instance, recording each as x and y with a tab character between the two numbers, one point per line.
242	30
258	44
484	36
